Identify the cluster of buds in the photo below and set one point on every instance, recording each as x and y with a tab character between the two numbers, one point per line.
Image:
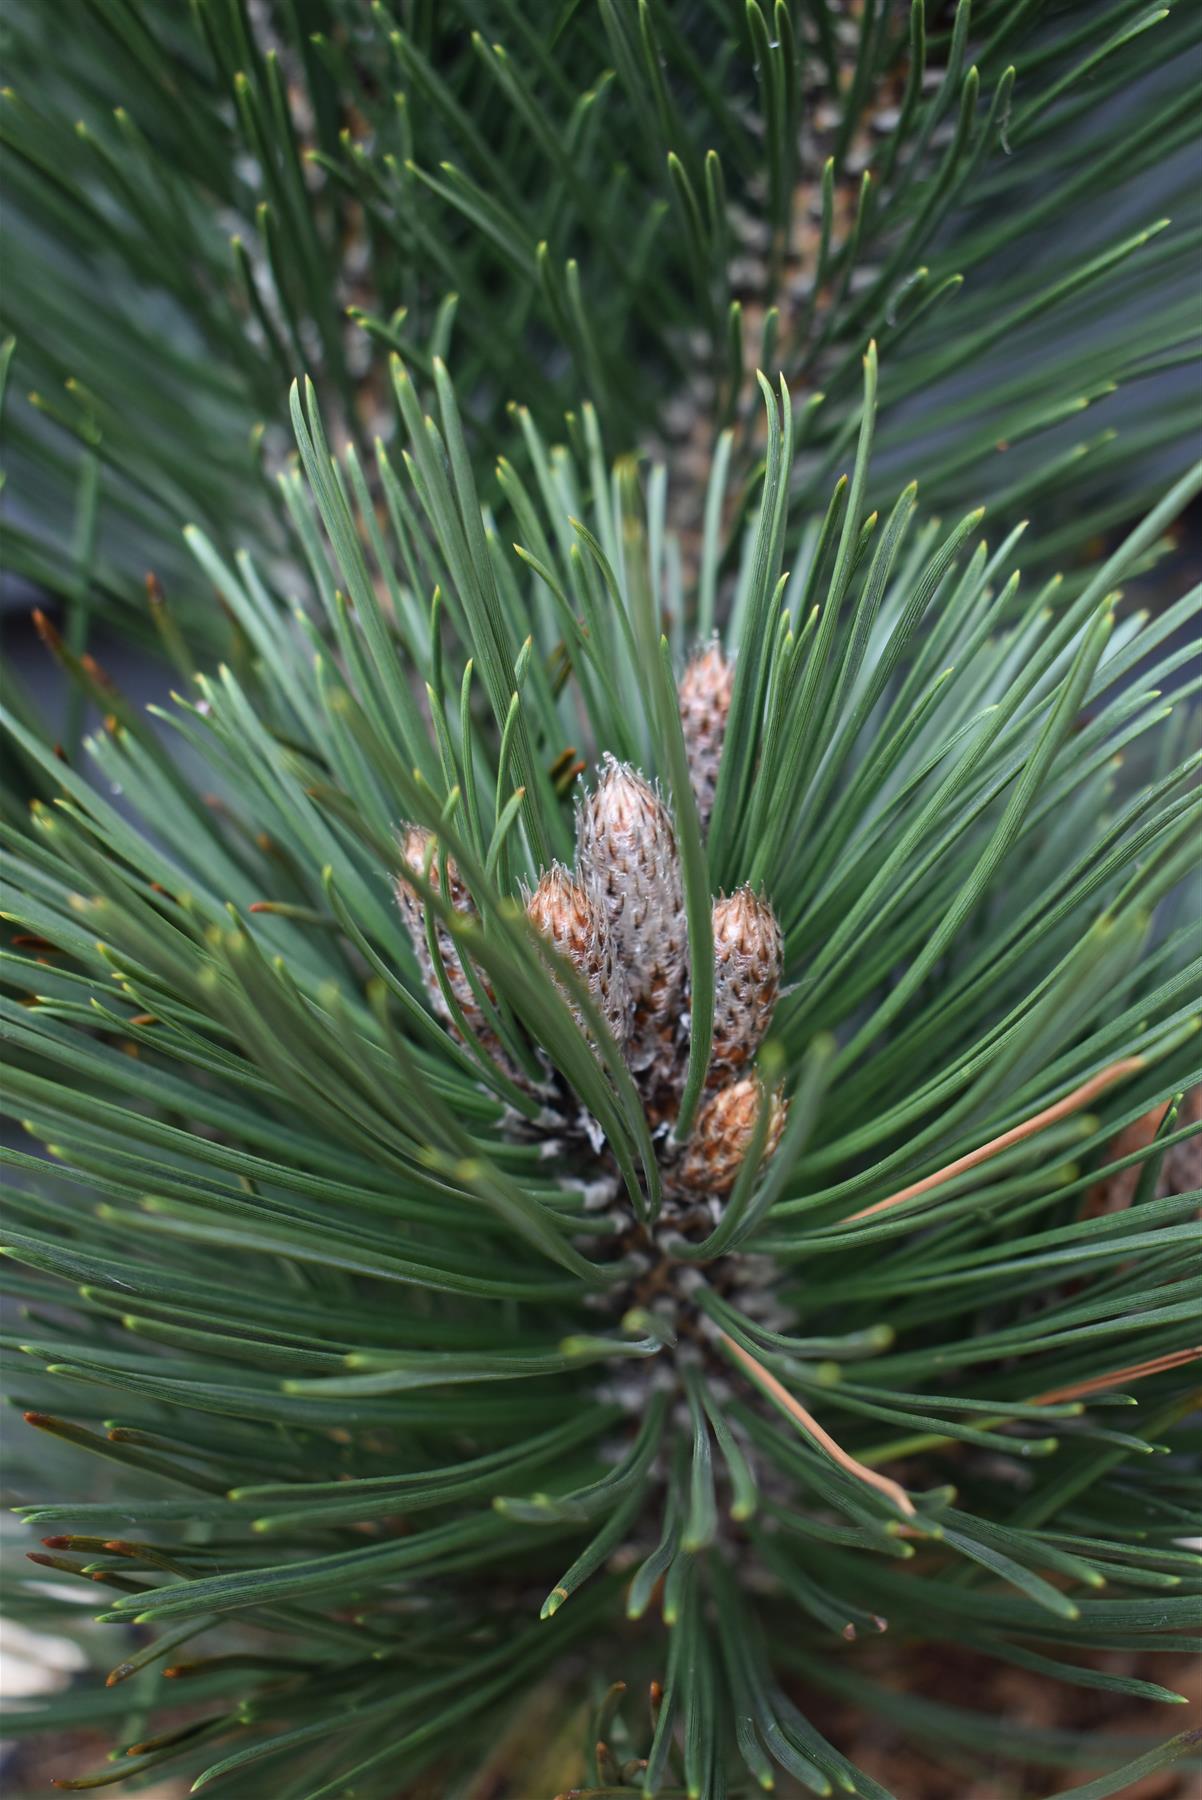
618	919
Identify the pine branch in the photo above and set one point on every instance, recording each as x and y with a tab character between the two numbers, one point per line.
372	1191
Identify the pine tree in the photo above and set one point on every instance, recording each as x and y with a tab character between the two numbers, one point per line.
608	1077
635	202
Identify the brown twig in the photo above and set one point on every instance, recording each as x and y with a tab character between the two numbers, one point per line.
1060	1109
1133	1372
790	1404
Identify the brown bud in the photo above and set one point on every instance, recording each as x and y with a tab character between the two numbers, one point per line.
748	952
627	854
571	917
414	843
722	1134
704	701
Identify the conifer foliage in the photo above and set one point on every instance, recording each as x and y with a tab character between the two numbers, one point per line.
602	1084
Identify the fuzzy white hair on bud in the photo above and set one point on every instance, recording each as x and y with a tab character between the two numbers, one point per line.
626	849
